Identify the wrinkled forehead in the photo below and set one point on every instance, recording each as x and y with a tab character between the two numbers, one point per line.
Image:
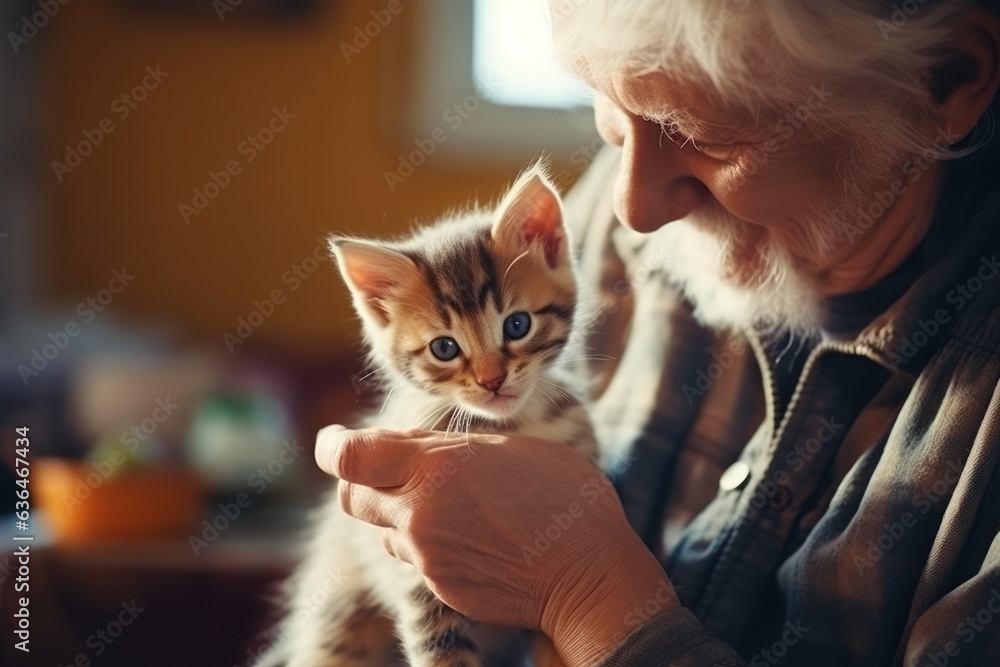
639	56
669	98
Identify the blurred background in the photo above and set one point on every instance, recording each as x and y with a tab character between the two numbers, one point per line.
172	334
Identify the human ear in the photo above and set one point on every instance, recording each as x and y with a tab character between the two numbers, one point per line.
965	84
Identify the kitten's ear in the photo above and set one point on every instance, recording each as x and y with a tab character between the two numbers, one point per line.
374	274
532	212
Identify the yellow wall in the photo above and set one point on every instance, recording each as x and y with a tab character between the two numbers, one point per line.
322	173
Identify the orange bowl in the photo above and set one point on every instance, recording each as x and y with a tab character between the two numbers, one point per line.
138	503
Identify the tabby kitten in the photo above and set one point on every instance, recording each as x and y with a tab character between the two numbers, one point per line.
466	319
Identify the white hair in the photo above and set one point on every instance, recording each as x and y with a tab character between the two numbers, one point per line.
876	56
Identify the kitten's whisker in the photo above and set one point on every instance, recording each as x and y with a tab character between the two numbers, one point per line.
558	409
456	420
369	374
592	357
432	416
433	408
423	415
548	398
560	392
388	396
551	402
545	396
438	416
568	397
588	357
509	266
468	427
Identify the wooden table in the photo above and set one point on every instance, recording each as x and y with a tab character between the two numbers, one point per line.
150	604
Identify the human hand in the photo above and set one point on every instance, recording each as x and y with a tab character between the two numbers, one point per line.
508	530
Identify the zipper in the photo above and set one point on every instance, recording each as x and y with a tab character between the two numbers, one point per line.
768	372
778	423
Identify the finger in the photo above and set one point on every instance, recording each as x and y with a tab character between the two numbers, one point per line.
396	545
328	441
367	504
372	457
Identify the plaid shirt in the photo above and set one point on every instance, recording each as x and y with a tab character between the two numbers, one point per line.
850	518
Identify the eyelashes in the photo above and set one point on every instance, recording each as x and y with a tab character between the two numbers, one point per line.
722	151
716	151
673	132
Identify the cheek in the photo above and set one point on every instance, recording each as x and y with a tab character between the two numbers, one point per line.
444	378
546	341
779	189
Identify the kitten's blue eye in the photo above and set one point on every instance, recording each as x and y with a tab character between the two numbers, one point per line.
516	325
444	348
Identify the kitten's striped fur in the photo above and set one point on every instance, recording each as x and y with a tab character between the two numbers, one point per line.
460	278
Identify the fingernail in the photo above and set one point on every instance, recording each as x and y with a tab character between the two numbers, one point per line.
326	446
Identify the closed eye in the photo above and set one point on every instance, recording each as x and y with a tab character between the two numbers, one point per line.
674	133
717	151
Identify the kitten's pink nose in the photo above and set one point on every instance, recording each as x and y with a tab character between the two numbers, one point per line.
495	383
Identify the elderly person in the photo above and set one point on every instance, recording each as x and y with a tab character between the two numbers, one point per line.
802	300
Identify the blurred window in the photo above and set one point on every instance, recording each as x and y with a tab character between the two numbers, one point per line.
489	86
514	59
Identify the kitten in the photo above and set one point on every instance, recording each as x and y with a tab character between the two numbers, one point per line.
467	318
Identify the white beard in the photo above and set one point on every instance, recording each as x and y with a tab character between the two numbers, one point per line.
699	255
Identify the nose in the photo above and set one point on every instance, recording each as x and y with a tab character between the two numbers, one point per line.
656	181
649	194
493	384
